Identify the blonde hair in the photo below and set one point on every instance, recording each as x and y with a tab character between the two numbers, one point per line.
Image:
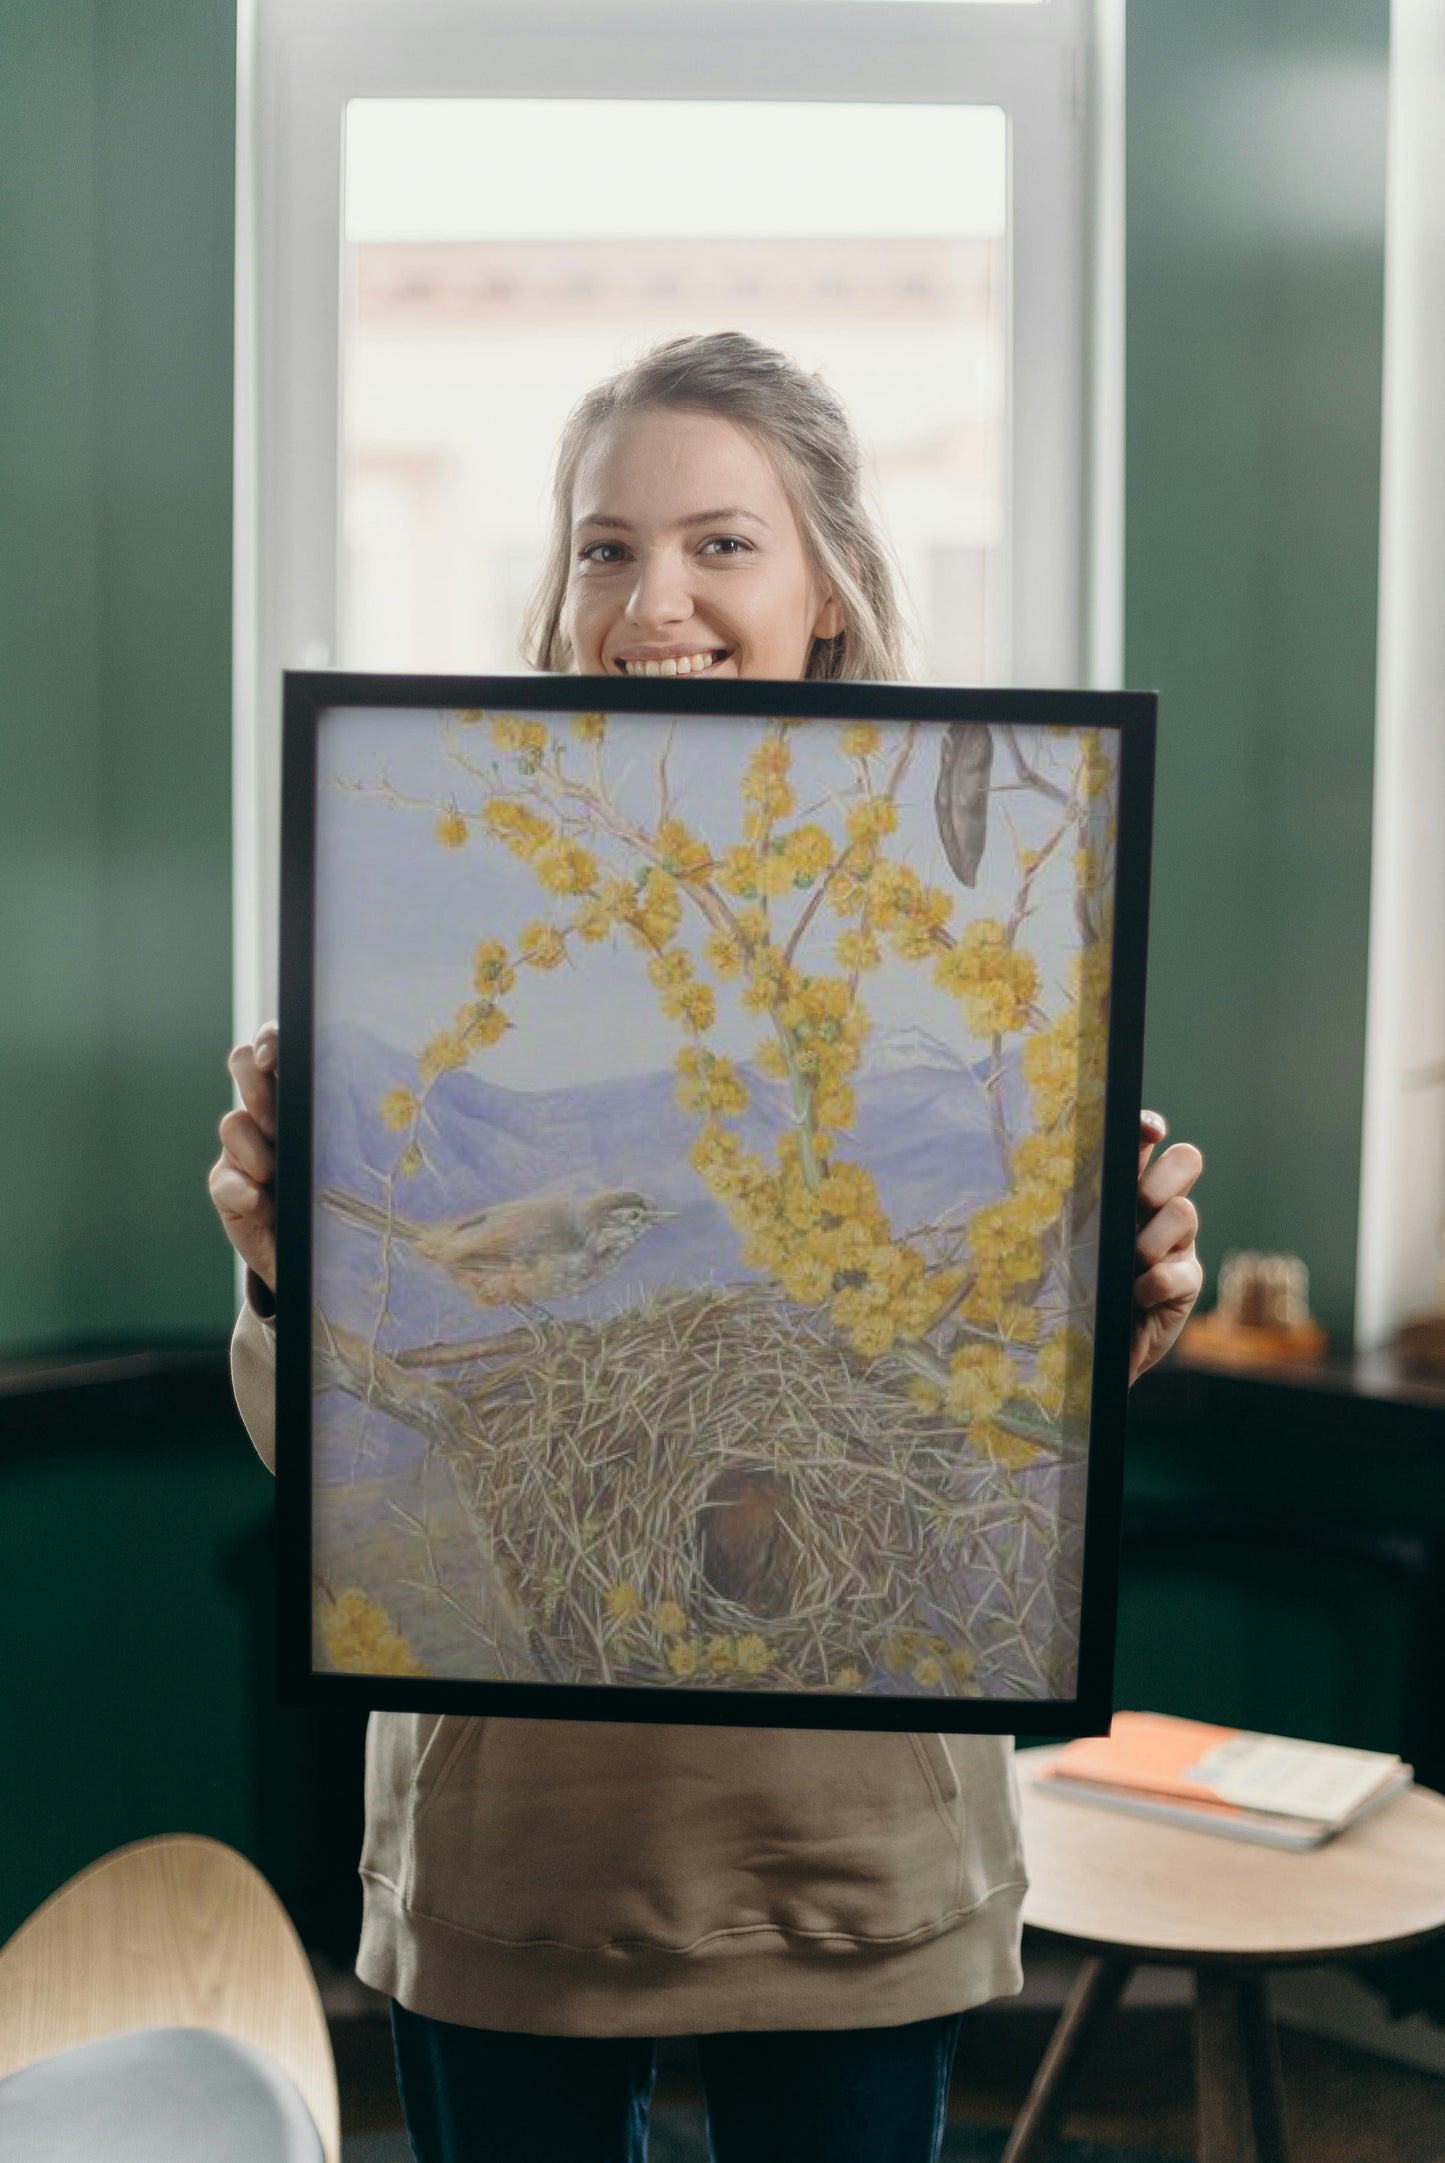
806	431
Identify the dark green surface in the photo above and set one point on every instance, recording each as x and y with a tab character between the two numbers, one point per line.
1255	287
117	135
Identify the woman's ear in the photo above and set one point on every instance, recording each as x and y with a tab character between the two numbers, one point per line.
830	619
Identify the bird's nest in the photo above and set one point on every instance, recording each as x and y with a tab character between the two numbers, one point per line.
711	1489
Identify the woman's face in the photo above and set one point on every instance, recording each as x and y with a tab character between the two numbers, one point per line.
686	556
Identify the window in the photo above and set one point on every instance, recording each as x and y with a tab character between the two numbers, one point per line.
449	213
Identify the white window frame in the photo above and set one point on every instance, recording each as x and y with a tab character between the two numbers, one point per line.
1056	69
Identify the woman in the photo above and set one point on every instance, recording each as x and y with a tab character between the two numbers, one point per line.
542	1897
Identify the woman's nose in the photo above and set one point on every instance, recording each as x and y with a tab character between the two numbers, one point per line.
661	595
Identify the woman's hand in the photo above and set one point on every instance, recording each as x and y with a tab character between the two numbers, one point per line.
242	1177
1168	1275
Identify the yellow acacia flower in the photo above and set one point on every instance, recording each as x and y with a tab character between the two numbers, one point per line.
709	1083
807	850
754	1657
960	1664
861	740
685	1656
541	945
398	1109
670	971
670	1619
492	970
857	950
928	1672
565	867
872	820
446	1051
451	829
682	852
623	1603
900	1650
654	910
1063	1373
981	1379
696	1005
482	1023
469	716
848	1678
589	728
518	829
410	1162
511	733
360	1639
722	1655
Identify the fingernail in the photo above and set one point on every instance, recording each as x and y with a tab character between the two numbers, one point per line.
1156	1120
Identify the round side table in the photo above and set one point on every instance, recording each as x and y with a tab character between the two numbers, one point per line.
1124	1890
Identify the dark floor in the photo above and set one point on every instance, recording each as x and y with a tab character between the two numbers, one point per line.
1343	2105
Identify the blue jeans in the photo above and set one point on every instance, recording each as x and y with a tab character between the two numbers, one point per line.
845	2095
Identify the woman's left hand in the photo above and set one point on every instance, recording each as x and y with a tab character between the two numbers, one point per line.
1168	1275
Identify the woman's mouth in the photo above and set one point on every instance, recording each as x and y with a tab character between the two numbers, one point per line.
676	664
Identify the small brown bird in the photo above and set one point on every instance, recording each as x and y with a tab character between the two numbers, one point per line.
749	1555
517	1253
965	767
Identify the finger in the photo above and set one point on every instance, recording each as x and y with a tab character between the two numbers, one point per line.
266	1045
1153	1126
243	1143
1175	1282
1170	1230
257	1087
1173	1173
238	1198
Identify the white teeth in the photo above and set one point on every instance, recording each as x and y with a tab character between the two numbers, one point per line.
686	664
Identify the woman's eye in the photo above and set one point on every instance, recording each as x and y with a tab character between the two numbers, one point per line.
602	552
726	544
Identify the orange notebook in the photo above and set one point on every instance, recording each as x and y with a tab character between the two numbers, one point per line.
1192	1762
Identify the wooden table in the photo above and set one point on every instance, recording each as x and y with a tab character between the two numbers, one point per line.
1125	1890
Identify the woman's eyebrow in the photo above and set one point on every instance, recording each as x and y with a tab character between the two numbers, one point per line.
731	514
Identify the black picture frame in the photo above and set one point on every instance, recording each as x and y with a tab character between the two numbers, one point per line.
1128	716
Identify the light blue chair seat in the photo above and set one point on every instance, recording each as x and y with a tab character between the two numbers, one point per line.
156	2095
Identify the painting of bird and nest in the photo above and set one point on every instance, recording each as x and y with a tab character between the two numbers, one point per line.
707	1137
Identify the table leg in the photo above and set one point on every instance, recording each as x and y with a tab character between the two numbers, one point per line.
1241	2116
1095	1994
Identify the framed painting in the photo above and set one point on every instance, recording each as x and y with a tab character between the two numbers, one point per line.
708	1139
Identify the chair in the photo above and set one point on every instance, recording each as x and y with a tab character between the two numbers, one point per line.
161	1987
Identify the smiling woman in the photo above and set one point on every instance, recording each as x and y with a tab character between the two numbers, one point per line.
645	576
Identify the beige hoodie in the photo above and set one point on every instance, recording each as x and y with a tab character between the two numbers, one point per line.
579	1878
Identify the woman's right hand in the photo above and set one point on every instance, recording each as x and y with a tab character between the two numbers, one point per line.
242	1178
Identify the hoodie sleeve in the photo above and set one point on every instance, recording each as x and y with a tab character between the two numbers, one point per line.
253	1368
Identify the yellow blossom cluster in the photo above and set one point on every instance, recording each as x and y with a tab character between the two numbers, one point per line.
995	980
518	829
861	740
528	738
908	912
451	829
928	1658
684	854
360	1640
589	728
766	784
565	867
541	945
681	996
398	1109
492	971
709	1084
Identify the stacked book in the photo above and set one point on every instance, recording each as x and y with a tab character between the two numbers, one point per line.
1269	1788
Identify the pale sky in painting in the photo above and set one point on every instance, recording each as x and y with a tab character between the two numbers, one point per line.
398	915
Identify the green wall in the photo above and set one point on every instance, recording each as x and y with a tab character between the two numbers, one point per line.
117	130
1256	138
